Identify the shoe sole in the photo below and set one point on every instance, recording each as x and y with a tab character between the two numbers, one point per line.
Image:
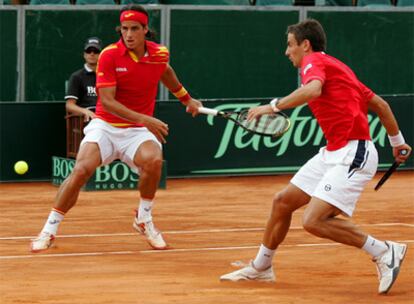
396	271
44	249
38	250
157	248
247	280
140	231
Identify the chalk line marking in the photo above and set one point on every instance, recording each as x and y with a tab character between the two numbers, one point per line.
186	232
177	250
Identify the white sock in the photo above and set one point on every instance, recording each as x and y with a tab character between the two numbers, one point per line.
144	211
52	224
374	247
263	258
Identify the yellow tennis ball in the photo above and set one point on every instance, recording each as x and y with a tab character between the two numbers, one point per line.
21	167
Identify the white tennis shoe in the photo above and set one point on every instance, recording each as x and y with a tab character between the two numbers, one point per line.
42	242
154	237
388	265
249	273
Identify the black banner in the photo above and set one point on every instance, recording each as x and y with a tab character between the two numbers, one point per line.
209	145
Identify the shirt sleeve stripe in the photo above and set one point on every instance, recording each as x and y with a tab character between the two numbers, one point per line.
314	78
71	97
105	84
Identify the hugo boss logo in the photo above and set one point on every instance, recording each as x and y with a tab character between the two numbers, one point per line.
91	90
116	175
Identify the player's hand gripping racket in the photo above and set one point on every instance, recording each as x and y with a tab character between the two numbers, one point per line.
273	125
390	171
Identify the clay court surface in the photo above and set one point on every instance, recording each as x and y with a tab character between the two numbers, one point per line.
209	223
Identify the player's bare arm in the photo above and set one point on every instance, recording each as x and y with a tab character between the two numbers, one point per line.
387	118
170	80
73	108
300	96
154	125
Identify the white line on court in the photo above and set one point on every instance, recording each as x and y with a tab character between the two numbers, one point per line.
134	234
187	232
129	252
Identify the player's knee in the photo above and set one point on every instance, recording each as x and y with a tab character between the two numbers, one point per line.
152	164
81	174
311	224
281	205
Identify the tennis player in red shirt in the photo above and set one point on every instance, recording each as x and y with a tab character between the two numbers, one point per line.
331	182
128	74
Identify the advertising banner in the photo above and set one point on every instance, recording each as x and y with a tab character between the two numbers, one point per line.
115	176
208	145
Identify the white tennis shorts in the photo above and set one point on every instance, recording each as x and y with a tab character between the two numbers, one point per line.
339	177
117	143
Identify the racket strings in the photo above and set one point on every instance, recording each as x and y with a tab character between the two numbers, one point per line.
271	124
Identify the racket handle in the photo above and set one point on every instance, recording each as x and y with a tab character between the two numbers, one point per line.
390	171
207	111
403	152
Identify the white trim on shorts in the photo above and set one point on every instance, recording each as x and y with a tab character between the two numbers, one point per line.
117	143
339	177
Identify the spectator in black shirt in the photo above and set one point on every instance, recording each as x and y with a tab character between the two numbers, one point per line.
81	94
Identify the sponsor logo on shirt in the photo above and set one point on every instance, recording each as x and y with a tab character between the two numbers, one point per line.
121	69
307	68
91	90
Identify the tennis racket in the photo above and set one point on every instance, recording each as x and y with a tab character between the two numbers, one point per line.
272	125
389	172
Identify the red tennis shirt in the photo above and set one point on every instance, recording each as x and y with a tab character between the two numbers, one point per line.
341	109
136	80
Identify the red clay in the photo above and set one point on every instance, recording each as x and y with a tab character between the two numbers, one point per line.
203	220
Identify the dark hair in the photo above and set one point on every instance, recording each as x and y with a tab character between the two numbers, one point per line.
311	30
138	8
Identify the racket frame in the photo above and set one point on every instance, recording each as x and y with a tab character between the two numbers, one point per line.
228	115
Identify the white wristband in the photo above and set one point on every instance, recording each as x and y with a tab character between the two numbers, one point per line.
396	140
273	104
